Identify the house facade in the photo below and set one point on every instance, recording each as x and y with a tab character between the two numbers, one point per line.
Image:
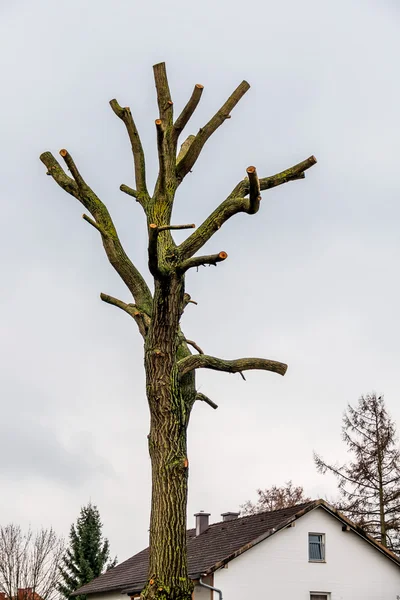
308	552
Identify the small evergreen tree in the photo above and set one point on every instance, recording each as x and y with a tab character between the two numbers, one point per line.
369	484
88	555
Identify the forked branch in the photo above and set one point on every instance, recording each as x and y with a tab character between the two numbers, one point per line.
186	163
124	113
203	361
237	203
116	254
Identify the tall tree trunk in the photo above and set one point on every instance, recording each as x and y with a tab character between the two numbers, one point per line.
170	366
170	406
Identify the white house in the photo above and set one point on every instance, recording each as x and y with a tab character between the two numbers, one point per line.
306	552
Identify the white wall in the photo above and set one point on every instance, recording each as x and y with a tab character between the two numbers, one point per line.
278	568
108	596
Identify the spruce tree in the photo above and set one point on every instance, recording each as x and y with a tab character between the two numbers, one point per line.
88	555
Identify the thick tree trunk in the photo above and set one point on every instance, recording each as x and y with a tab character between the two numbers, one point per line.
170	402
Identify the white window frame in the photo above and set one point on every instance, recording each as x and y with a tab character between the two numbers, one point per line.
326	594
317	560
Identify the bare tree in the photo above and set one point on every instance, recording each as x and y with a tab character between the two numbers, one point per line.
29	563
369	484
275	498
170	365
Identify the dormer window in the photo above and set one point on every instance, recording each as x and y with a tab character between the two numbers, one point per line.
316	547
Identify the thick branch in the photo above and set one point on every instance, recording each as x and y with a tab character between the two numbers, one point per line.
162	174
254	190
186	163
207	400
112	245
189	109
236	203
153	250
137	150
165	104
200	261
203	361
142	320
185	147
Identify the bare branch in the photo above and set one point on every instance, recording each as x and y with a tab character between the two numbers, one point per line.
165	104
137	150
173	227
236	203
162	174
185	147
291	174
186	163
194	345
141	318
207	400
112	245
154	267
201	261
128	190
189	109
254	190
94	224
203	361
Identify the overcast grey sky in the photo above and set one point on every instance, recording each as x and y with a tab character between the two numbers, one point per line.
311	280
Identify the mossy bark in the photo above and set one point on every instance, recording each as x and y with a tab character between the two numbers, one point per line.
170	366
170	402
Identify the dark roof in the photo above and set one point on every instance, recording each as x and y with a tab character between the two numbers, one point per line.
216	546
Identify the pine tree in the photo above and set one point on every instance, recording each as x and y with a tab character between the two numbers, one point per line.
369	484
88	555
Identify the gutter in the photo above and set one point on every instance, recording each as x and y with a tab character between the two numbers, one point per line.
210	587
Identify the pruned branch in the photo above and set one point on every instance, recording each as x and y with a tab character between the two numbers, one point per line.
141	318
116	254
153	250
162	174
94	224
254	190
201	261
165	104
204	398
128	190
175	227
185	147
124	113
194	345
236	203
186	163
203	361
189	109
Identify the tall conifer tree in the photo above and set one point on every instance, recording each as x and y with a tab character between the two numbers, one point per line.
88	555
369	484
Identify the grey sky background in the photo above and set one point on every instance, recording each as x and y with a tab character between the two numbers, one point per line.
311	280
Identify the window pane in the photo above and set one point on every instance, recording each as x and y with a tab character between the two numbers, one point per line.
315	544
318	597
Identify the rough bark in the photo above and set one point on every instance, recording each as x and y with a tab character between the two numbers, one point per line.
169	364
